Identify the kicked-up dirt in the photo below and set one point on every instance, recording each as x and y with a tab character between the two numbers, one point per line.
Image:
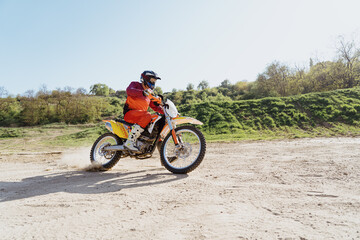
284	189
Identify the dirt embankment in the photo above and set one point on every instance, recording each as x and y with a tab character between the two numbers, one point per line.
289	189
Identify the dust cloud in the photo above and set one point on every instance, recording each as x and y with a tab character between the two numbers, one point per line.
78	159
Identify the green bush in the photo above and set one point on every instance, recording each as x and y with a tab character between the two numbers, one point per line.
269	122
10	133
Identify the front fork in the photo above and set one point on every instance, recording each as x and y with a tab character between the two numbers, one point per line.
172	127
177	141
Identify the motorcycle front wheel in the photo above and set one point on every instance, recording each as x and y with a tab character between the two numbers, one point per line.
189	153
105	159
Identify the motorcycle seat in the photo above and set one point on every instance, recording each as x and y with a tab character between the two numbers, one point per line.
124	122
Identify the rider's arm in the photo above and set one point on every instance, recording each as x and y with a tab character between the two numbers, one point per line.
156	108
135	90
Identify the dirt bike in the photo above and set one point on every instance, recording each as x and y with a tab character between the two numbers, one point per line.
181	149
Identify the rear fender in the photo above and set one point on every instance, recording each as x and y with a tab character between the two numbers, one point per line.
117	128
178	121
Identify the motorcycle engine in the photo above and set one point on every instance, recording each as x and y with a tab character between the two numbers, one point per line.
146	139
142	145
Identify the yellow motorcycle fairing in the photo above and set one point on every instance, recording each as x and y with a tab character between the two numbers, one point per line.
178	121
117	128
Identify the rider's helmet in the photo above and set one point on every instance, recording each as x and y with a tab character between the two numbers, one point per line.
146	76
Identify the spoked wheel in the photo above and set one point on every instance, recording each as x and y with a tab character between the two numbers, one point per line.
106	159
188	154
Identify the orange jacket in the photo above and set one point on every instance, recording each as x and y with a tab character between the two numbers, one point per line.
137	101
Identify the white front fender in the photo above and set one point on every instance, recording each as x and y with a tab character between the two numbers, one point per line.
178	121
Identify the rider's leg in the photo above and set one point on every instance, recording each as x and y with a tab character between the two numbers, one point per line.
136	131
141	120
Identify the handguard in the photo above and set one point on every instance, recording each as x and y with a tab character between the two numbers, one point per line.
154	99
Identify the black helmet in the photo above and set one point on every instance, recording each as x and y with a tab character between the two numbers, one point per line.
146	76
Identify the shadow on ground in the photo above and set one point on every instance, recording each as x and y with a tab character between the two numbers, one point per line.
82	182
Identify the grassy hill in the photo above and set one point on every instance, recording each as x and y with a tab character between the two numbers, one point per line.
330	113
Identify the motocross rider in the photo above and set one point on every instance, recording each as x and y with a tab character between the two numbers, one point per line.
137	104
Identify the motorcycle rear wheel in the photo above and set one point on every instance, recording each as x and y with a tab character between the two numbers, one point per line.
105	159
189	155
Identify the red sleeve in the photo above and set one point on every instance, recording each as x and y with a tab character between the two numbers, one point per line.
135	89
156	108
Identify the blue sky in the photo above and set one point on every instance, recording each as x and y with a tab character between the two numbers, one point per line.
84	42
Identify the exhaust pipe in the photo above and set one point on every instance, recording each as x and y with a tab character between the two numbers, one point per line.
114	148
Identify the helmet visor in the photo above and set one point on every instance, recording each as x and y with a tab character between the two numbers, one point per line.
151	83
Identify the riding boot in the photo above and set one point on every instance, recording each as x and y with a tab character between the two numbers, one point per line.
133	135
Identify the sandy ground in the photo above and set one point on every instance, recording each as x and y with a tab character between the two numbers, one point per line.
288	189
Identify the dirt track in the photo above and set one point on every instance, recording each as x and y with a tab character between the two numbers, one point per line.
290	189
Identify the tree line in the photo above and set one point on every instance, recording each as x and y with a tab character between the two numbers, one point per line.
56	106
278	80
281	80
